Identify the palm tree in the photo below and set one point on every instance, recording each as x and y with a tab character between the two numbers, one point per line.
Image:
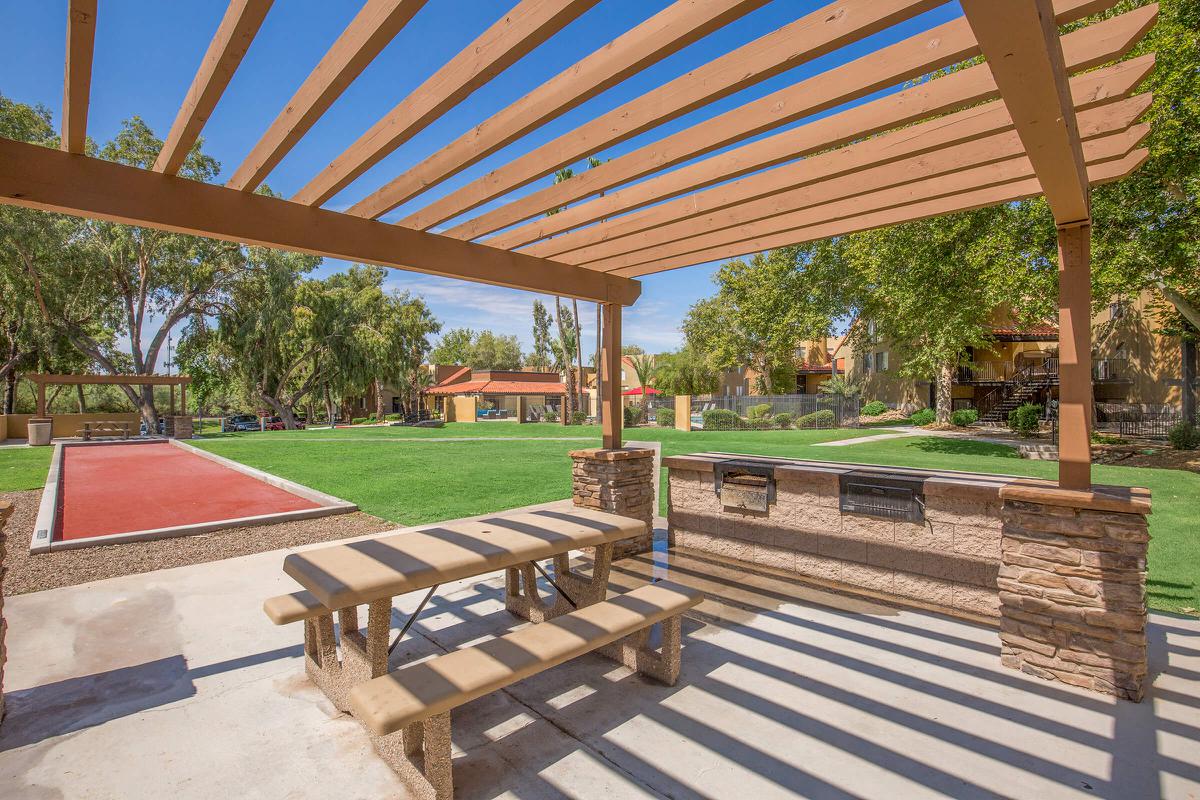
643	367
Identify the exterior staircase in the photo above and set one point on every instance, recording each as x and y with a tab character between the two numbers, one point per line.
1017	390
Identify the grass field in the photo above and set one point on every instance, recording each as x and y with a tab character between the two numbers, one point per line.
412	475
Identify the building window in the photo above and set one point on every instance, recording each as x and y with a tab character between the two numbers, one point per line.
802	354
871	328
881	361
622	376
739	390
1116	310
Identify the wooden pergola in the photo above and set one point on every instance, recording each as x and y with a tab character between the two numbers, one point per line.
1041	114
42	380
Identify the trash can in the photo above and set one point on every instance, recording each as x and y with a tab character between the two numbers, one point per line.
39	431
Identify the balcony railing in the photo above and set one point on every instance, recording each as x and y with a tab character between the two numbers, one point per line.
1003	371
1110	369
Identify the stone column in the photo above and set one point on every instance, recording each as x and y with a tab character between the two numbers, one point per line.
683	412
1073	585
620	482
5	511
179	427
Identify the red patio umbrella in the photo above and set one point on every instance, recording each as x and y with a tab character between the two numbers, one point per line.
638	391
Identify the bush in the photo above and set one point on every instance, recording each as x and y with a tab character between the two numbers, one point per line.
1184	436
964	417
873	409
633	416
578	417
759	413
361	420
925	416
665	418
393	417
818	419
1025	419
784	420
551	416
721	419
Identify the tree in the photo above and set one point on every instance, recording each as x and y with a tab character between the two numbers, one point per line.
540	357
840	386
643	367
931	288
454	347
494	351
564	354
685	372
762	309
631	350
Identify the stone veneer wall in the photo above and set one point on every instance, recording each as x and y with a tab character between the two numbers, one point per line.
620	482
1073	587
180	427
950	561
5	511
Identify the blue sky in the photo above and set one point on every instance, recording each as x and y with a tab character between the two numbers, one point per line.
147	52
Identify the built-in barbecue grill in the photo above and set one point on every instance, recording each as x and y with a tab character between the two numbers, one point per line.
883	494
745	485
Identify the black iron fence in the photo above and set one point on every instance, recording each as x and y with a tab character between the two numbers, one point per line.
1146	422
777	411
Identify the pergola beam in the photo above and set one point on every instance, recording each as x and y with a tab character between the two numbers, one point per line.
911	58
811	36
37	177
667	32
1085	48
982	133
928	179
371	30
225	52
965	201
523	28
107	380
77	73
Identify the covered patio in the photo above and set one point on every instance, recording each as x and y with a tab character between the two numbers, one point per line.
786	688
787	691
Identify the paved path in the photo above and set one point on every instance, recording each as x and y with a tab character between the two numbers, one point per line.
903	431
418	439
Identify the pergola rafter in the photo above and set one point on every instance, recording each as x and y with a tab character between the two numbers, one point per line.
1014	126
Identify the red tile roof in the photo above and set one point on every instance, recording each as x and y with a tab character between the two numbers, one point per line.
1029	330
498	387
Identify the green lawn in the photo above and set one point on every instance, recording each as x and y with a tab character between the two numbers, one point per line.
413	475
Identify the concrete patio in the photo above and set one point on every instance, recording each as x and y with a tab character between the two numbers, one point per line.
174	684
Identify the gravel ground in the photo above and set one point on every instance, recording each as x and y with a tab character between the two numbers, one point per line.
25	573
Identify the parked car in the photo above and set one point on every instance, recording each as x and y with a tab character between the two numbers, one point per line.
162	427
241	422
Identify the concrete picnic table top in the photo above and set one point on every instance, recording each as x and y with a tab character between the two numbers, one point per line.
352	574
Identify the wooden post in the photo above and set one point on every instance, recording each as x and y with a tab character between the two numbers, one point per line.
172	388
1075	356
610	377
183	399
41	405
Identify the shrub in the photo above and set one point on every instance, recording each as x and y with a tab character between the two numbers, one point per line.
361	420
818	419
665	418
1184	436
633	416
759	413
784	420
873	409
1024	419
721	419
551	416
964	417
578	417
393	417
925	416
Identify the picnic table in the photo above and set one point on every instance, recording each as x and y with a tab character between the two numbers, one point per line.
340	578
105	428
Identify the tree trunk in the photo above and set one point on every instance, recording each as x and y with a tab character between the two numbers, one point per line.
379	413
578	354
81	402
329	409
945	381
281	409
565	362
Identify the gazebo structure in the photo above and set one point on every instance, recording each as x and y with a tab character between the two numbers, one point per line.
1042	113
42	380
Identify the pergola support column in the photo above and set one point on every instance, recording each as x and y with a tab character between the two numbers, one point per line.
1075	356
610	377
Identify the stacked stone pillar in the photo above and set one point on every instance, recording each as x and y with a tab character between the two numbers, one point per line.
620	482
1072	585
179	427
5	511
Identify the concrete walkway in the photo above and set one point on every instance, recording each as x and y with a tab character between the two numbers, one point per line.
413	439
173	684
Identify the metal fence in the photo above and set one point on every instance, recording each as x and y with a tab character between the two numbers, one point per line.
741	412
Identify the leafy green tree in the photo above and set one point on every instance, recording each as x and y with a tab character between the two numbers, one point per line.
762	309
644	367
494	351
454	347
540	357
685	372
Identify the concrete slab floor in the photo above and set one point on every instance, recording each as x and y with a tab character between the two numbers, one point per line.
174	684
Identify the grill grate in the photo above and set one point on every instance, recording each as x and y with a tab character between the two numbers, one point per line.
888	495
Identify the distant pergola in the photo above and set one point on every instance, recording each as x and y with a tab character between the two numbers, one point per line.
1036	117
42	380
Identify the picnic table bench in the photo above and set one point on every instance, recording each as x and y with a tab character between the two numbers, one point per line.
113	428
573	620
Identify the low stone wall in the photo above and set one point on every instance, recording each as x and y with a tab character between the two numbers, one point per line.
620	482
65	425
5	512
950	561
1073	586
1063	572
